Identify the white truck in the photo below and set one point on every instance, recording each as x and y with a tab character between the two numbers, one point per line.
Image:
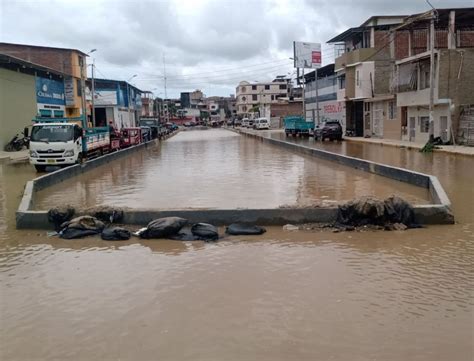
62	142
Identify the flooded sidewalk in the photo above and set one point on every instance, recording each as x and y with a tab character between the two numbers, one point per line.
219	169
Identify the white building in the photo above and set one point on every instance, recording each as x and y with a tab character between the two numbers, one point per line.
252	95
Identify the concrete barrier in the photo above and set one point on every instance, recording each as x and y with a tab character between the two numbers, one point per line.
436	213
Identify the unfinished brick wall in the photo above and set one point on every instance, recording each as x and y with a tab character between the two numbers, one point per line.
283	110
401	45
56	59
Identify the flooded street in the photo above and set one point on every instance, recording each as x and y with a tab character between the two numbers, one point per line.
281	296
220	169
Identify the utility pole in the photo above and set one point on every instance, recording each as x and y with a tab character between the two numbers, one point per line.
317	95
166	94
432	76
304	102
93	94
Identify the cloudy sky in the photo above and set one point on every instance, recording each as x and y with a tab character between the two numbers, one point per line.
209	44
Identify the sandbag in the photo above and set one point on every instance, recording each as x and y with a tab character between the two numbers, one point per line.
398	210
59	215
107	214
115	234
205	231
163	227
184	234
80	227
244	229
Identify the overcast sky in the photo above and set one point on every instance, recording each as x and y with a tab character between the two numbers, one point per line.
209	45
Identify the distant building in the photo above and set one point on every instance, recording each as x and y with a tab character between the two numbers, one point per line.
70	62
148	106
249	96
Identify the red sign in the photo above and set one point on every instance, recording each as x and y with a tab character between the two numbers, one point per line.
316	57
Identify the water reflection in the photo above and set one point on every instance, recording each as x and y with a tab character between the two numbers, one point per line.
220	169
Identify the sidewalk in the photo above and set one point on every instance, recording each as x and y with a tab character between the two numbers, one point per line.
7	157
453	149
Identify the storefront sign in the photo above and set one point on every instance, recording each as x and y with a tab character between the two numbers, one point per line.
49	91
105	97
69	90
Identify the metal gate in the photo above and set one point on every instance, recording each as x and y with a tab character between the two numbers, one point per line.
412	125
377	119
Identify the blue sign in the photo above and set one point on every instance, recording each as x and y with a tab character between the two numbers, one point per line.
49	91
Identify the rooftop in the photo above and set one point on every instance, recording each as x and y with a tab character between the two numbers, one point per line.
42	47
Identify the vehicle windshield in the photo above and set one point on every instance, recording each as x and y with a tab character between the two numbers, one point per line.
52	133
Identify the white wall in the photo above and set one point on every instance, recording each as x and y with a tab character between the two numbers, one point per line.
363	89
440	110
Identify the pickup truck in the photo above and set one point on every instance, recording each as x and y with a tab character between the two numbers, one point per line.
62	142
296	125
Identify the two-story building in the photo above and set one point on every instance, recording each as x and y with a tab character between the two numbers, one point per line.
70	62
325	98
118	102
453	64
249	96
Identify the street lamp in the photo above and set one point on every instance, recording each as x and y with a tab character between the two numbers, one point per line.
93	88
129	98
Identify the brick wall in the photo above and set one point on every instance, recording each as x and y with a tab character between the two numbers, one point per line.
57	59
401	44
381	44
283	110
452	64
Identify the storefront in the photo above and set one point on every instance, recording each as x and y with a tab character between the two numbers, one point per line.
50	97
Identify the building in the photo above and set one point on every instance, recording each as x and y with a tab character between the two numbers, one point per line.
148	105
453	78
249	96
116	101
70	62
364	71
27	90
329	107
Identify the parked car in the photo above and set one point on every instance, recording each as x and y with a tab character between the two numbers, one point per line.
331	130
251	123
245	122
238	122
262	123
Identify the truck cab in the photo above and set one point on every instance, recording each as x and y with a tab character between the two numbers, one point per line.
55	144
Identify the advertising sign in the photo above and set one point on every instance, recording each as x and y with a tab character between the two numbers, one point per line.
307	55
69	90
105	97
49	91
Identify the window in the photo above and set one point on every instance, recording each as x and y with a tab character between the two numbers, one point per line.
45	113
244	99
79	87
342	82
283	86
357	78
242	89
273	97
267	87
58	113
254	97
424	124
254	87
392	110
80	60
244	108
424	75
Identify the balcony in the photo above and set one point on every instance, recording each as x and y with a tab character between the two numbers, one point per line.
355	56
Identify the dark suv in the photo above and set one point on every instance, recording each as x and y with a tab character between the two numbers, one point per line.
331	130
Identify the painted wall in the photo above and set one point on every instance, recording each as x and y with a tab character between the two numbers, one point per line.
17	103
363	84
417	112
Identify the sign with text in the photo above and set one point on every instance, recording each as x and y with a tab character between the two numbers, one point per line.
49	91
307	55
69	90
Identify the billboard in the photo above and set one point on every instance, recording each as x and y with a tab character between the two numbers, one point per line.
307	55
49	91
69	90
105	97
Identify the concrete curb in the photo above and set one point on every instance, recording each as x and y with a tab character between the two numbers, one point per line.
437	213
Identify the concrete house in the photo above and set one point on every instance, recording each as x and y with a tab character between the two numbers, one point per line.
251	95
364	68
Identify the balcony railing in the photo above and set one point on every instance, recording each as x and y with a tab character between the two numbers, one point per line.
355	56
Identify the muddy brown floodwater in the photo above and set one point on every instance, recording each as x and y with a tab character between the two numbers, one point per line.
281	296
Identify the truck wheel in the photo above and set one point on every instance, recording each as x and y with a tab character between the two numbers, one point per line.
40	168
